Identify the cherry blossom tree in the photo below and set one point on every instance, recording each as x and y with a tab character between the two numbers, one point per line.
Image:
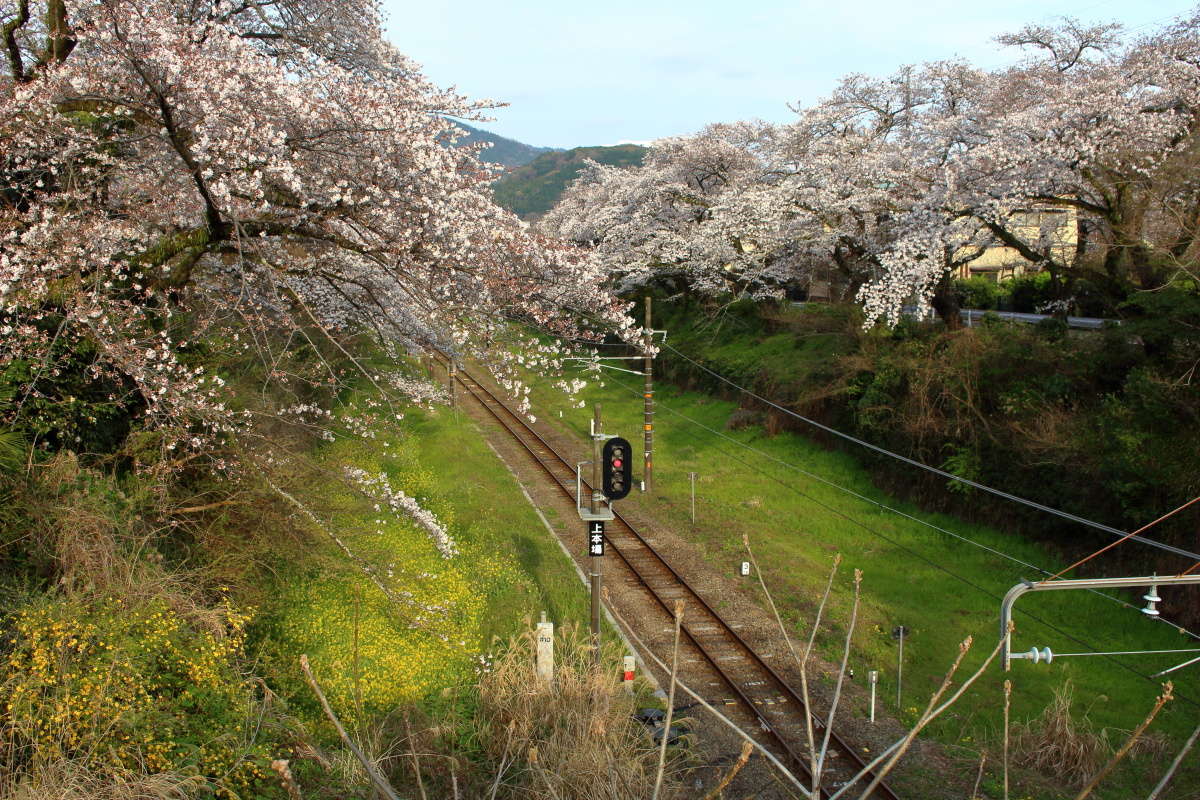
170	169
1102	129
896	183
664	220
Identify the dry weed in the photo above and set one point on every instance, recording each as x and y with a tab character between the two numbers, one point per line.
575	739
1060	743
75	780
101	546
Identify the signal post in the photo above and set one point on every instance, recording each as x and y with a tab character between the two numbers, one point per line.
596	531
648	410
612	478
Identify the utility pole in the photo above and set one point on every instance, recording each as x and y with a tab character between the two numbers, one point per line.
648	421
595	560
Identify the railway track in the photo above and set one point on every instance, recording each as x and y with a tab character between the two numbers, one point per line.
761	696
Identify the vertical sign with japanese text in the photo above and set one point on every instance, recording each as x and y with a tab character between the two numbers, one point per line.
596	538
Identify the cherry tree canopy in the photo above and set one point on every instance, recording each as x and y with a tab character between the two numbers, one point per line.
891	184
270	163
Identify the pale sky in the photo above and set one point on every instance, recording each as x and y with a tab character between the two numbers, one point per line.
578	75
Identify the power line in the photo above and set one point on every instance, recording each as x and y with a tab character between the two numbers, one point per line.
938	528
590	343
920	556
1111	545
948	475
918	520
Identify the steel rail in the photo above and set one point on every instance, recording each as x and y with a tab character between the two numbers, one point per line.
564	482
691	637
564	485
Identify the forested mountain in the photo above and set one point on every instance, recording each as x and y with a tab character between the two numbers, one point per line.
504	151
534	188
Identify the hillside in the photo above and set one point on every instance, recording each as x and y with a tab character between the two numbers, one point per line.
504	151
533	189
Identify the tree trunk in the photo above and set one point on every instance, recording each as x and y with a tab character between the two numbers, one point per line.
60	40
945	302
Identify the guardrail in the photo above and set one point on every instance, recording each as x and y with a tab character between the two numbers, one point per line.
973	315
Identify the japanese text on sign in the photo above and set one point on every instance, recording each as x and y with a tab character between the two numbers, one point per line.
596	538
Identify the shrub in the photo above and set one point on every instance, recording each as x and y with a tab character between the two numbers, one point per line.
126	690
72	405
979	292
1028	293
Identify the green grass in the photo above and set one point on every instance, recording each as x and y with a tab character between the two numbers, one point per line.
796	524
484	491
507	570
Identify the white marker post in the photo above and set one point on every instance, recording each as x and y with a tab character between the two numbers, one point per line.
873	677
630	664
692	475
545	650
899	632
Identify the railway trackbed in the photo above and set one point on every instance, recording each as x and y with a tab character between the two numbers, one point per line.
754	694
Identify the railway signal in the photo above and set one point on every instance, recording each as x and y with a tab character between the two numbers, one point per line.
617	466
612	478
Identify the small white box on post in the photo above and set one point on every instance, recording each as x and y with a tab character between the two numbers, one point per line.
545	650
745	568
630	665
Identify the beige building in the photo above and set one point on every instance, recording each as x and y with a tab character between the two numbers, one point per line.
1040	226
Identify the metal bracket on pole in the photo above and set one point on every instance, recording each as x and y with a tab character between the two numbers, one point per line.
586	514
1169	670
603	437
1024	586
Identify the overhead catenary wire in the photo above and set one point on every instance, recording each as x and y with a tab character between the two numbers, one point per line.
916	554
943	473
911	517
1127	536
1127	653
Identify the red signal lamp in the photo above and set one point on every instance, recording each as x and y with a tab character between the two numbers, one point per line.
617	470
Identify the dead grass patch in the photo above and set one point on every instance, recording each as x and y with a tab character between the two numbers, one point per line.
1061	742
573	739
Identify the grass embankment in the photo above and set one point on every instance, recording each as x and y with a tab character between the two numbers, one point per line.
940	587
421	646
151	641
443	612
1098	424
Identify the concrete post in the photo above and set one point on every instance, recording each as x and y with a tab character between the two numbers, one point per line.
545	651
